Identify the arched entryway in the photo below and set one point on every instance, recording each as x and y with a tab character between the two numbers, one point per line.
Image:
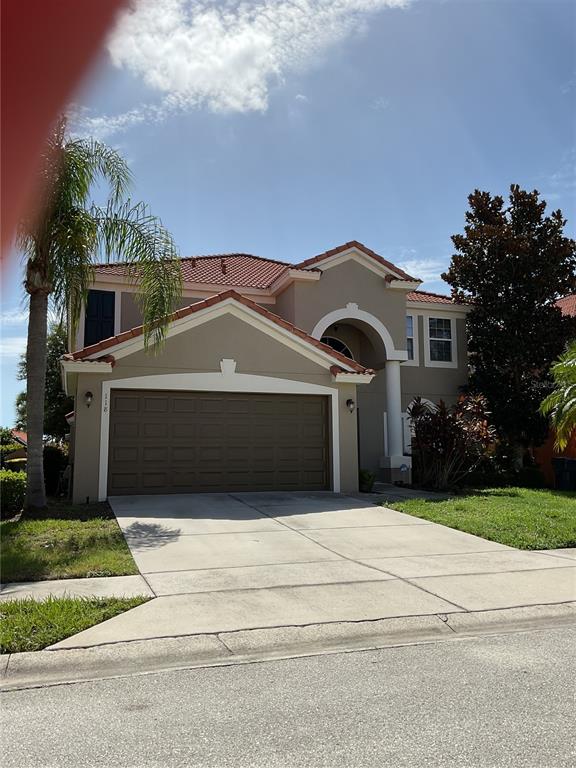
379	404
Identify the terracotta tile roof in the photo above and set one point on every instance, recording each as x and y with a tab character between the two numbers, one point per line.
567	305
235	269
429	298
243	270
198	306
22	437
359	246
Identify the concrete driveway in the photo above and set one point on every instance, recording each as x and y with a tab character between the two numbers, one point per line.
223	562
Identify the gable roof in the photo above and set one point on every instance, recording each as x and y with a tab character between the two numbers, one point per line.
243	270
107	345
567	305
359	247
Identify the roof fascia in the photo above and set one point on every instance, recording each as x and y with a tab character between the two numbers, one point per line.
293	275
434	306
365	259
405	285
115	282
353	378
71	368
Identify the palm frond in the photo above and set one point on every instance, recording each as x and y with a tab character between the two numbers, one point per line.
560	405
151	254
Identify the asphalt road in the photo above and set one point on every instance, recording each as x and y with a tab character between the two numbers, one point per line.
490	701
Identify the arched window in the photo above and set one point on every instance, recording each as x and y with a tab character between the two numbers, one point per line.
337	345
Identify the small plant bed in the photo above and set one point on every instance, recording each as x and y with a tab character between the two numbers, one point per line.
518	517
31	625
71	541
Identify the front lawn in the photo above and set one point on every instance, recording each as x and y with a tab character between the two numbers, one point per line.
30	625
75	541
519	517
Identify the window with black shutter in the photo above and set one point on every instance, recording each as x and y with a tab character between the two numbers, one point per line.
99	322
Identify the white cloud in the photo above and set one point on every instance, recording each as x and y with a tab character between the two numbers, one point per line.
380	104
225	55
14	317
12	347
428	270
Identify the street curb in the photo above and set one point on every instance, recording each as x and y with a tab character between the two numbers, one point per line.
138	657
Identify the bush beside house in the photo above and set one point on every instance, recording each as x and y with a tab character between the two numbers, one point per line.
12	492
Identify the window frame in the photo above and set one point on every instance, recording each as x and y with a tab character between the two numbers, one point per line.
429	363
335	338
415	339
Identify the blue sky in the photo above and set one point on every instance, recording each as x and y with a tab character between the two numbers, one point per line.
284	129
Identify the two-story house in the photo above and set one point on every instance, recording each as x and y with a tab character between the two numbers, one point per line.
273	376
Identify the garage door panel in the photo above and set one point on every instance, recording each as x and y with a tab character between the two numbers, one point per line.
156	453
127	404
162	442
154	429
184	405
155	405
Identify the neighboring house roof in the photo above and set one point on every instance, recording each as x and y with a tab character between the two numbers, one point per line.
20	437
360	247
243	270
113	341
567	305
428	298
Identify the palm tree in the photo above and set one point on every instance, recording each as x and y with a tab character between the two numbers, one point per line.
62	241
560	404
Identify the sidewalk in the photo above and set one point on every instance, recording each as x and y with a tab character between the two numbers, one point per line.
110	586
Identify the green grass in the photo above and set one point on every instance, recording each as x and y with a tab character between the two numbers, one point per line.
519	517
73	541
30	625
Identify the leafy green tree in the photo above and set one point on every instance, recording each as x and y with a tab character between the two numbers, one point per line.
62	240
512	264
21	411
56	403
6	437
560	405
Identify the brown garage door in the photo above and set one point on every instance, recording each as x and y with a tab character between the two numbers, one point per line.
188	442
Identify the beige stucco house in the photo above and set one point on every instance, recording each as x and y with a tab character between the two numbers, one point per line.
273	376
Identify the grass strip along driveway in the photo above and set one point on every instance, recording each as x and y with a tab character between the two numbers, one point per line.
31	625
518	517
73	541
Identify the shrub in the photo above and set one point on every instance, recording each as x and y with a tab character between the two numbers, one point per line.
12	492
449	443
366	481
55	461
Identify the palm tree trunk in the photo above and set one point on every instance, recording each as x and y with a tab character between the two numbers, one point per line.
36	385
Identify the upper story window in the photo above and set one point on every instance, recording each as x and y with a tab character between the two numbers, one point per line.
440	338
410	336
99	317
337	345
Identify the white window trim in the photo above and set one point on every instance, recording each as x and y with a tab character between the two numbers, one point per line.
415	322
225	381
440	363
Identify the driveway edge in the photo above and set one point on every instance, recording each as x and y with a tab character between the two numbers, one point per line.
65	666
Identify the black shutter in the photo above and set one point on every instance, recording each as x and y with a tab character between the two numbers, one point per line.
99	317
